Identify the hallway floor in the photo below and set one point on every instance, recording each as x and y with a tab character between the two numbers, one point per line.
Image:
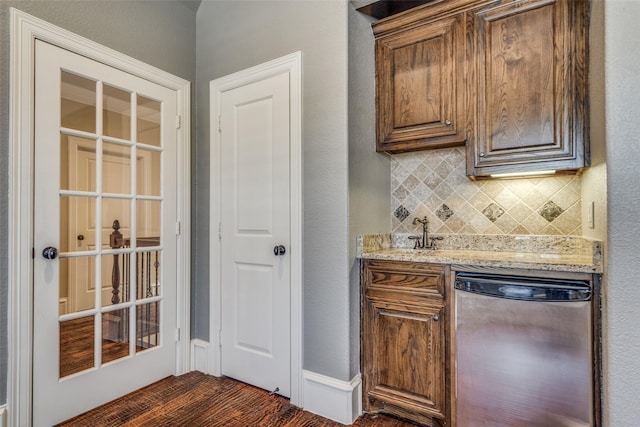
196	399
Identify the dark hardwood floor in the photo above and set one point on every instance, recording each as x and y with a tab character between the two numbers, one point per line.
196	399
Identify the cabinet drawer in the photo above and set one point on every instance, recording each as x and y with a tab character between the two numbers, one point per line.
385	279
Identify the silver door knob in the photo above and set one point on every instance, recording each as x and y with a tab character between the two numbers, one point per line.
436	318
279	250
49	253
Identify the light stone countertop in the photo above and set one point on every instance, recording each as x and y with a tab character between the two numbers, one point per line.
550	253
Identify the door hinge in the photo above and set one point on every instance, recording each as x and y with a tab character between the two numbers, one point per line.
178	122
219	123
220	231
220	337
177	334
33	253
178	228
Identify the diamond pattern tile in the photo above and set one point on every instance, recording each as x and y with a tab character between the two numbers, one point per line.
550	211
493	212
432	180
434	183
401	213
444	213
411	182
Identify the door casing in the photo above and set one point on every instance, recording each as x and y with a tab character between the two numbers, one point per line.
291	64
25	29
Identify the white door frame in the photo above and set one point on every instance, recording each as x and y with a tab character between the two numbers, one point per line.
25	29
291	64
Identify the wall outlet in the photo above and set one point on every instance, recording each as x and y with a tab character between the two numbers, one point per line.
591	215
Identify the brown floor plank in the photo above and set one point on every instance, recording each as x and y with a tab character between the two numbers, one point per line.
199	400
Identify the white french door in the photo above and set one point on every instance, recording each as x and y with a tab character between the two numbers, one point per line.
104	219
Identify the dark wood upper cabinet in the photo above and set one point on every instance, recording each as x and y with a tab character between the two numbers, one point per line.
531	87
419	86
508	78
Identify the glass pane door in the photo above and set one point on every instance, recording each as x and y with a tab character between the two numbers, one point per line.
104	203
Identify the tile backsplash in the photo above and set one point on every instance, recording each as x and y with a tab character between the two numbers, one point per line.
433	183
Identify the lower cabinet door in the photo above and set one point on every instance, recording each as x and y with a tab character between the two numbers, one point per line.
404	359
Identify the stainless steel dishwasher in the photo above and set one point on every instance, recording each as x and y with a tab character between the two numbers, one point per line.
523	351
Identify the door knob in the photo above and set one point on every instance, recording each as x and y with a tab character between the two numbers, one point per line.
49	253
279	250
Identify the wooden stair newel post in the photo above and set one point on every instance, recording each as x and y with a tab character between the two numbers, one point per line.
115	241
116	322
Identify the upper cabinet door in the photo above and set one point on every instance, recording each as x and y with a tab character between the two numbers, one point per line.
419	86
531	87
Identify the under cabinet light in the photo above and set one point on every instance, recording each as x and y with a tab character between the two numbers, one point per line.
522	174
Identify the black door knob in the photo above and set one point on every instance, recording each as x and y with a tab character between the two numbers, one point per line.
49	253
279	250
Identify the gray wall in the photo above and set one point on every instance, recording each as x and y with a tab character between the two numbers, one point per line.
622	134
594	179
232	36
160	33
369	172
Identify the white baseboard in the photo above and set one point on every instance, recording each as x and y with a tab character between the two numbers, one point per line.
325	396
3	416
331	398
200	356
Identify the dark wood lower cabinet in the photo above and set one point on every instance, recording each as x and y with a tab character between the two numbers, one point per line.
404	325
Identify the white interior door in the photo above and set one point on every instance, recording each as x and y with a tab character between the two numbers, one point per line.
255	224
93	124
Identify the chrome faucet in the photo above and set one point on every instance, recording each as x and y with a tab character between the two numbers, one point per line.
422	244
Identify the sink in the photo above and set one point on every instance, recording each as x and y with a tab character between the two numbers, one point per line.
422	252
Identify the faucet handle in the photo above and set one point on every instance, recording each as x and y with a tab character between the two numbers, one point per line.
432	241
424	221
416	245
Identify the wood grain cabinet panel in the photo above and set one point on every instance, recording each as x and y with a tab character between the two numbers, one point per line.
507	78
531	87
403	340
419	86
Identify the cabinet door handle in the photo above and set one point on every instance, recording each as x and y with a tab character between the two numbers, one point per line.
447	122
436	318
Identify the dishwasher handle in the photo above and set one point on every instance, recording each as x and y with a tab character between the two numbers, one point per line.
524	288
